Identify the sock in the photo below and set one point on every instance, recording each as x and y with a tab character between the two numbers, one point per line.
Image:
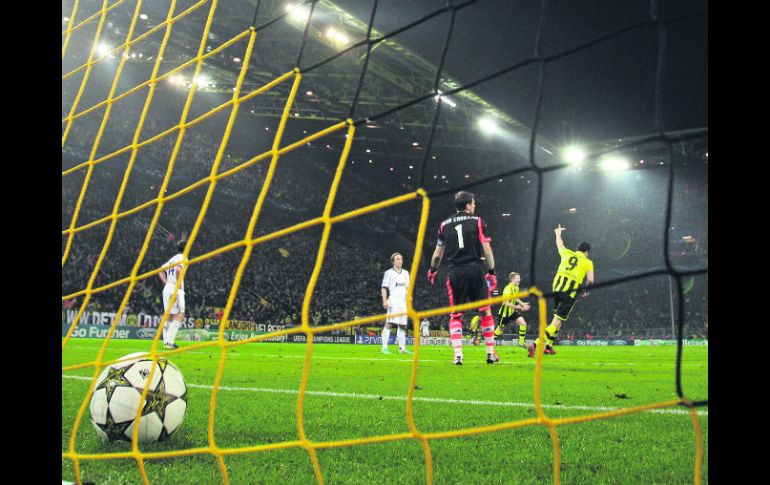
488	325
385	337
456	335
522	333
550	333
401	337
172	331
165	333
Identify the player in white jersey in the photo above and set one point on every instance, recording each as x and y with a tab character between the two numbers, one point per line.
425	327
176	314
394	285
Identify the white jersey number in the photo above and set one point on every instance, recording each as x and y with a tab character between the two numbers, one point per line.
459	229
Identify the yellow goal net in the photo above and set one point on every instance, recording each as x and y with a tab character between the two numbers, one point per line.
84	54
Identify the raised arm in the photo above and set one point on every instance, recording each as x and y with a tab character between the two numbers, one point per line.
559	241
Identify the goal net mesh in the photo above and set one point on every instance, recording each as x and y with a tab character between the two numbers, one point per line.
106	106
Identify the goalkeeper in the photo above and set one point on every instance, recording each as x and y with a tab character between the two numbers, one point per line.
509	311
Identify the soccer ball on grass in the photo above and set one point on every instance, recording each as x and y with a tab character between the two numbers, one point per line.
119	387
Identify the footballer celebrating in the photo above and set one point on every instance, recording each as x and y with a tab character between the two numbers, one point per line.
573	269
509	311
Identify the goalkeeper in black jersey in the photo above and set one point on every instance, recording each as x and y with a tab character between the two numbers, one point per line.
464	239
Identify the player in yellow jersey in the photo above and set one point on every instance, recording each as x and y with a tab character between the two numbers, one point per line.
509	311
573	269
475	330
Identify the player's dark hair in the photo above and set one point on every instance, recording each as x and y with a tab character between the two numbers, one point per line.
180	246
393	256
462	199
584	247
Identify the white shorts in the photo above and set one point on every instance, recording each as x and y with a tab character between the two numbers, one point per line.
402	320
178	304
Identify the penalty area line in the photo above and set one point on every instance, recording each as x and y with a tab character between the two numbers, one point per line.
354	395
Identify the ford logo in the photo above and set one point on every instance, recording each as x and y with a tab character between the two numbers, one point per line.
146	333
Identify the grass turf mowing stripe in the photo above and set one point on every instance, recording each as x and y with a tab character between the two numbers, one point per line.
421	399
410	360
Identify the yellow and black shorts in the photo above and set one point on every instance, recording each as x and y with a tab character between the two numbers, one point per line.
505	320
562	305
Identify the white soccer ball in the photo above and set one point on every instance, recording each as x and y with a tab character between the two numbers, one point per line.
119	387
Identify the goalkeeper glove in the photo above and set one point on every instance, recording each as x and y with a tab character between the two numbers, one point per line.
491	280
432	274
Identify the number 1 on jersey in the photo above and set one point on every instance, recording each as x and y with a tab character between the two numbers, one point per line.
459	229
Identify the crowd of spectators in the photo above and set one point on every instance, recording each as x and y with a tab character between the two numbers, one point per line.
275	280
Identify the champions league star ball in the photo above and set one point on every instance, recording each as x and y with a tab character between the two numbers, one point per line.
115	399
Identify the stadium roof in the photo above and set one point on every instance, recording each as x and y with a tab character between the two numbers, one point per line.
396	73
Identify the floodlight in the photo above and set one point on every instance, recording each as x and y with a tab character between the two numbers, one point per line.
102	49
574	154
445	100
337	36
488	125
201	81
297	13
614	163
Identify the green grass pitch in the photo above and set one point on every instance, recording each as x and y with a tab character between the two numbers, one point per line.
357	392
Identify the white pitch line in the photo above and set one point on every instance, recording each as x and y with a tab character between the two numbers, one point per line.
409	360
421	399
